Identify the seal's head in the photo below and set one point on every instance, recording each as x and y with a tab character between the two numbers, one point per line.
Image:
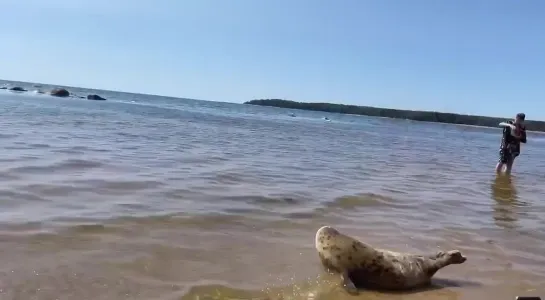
451	257
325	233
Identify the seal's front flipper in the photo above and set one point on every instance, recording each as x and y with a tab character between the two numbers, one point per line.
348	285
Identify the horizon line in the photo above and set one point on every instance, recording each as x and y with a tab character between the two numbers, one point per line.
243	102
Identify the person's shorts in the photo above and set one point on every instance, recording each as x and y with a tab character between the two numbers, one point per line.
508	154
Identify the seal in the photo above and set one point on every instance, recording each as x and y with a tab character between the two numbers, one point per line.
362	266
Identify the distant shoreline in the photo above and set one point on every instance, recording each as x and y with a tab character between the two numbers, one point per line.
426	116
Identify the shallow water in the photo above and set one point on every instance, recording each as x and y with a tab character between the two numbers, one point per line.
143	197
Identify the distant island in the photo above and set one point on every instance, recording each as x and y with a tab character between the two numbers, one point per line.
428	116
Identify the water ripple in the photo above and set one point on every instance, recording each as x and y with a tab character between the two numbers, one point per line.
172	199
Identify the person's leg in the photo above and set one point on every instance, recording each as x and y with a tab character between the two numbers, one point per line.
503	159
509	164
499	166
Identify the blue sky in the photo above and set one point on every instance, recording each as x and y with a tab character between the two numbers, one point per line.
466	56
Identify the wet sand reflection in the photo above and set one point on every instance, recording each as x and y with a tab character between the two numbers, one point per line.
505	195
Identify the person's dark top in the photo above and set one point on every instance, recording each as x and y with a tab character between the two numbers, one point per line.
509	139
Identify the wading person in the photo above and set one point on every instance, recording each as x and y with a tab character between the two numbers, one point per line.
514	133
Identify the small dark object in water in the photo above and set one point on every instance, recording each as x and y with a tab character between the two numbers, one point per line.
3	87
59	93
95	97
17	89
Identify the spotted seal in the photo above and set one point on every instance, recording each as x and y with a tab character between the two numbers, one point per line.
361	265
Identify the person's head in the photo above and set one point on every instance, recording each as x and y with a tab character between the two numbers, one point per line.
519	118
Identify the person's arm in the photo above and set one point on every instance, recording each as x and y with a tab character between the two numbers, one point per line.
523	135
505	132
507	129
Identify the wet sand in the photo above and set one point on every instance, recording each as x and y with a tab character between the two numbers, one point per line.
241	257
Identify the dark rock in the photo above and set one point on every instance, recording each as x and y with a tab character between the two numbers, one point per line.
95	97
3	87
60	93
17	89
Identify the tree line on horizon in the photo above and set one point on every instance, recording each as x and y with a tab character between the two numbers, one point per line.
429	116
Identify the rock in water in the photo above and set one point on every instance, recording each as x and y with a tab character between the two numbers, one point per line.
95	97
17	89
363	266
59	93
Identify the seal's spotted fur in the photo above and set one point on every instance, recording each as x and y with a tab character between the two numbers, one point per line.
361	265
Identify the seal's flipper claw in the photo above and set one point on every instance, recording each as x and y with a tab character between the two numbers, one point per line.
348	285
